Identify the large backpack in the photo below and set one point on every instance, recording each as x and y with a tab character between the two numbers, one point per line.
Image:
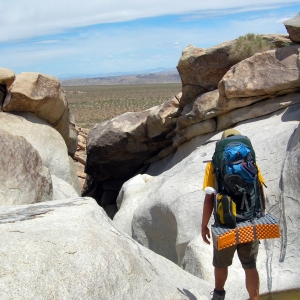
236	179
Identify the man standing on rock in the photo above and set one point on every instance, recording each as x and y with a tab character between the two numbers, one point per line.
222	259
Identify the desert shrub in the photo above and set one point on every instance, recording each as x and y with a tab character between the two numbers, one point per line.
249	44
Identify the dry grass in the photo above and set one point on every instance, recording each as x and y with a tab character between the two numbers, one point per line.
249	44
94	104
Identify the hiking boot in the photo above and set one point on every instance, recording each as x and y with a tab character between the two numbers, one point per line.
218	295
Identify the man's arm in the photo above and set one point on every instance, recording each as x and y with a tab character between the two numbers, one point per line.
208	207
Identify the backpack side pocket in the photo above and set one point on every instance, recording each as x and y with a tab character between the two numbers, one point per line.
225	211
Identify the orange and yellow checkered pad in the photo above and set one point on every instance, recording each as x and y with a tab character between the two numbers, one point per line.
266	227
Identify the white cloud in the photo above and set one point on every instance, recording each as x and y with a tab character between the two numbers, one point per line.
111	48
24	19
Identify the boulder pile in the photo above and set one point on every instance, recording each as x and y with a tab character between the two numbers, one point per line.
161	207
38	139
146	170
215	83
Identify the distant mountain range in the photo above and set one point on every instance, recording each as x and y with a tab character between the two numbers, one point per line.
166	76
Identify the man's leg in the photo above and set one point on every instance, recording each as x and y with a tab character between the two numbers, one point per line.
220	278
221	260
252	283
247	254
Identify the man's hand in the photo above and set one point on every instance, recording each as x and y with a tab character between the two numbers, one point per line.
206	235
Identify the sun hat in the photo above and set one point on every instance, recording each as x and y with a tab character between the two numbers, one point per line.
230	132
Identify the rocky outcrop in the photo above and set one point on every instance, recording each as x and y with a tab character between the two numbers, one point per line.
214	86
202	69
42	95
69	249
293	28
118	148
119	143
36	165
264	75
163	208
75	246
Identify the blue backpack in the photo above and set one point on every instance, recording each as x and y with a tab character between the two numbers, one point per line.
236	178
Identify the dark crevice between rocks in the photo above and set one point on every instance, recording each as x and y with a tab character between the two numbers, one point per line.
105	178
2	94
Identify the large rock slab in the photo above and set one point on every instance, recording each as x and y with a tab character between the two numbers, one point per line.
293	28
263	75
167	214
23	178
256	110
70	250
43	96
116	149
48	142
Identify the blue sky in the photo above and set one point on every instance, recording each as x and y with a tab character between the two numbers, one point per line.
72	37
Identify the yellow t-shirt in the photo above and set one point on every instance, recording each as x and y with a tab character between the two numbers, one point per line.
209	177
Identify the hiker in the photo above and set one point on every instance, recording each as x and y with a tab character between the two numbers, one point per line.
222	259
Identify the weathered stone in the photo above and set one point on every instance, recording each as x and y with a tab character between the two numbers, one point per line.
37	93
48	142
162	118
204	67
43	96
6	76
264	75
167	210
23	178
201	108
293	28
189	132
256	110
71	250
116	149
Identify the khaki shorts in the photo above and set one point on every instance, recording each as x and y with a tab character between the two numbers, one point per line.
247	253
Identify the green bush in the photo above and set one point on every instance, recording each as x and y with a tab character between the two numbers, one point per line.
249	44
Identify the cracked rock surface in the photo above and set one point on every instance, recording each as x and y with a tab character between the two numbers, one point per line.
70	249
